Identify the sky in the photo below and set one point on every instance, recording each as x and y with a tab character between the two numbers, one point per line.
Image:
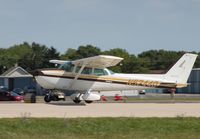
134	25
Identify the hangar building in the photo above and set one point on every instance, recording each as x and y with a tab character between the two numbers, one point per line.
194	81
16	77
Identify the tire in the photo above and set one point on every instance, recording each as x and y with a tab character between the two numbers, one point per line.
33	98
30	98
47	98
77	101
88	101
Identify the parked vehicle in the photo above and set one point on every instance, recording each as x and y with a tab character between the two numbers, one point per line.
16	97
142	92
18	91
56	96
10	96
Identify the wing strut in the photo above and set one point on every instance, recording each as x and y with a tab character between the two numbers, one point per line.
76	77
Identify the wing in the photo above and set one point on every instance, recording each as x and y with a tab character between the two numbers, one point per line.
100	61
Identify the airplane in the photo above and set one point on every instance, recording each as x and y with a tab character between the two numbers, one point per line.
92	74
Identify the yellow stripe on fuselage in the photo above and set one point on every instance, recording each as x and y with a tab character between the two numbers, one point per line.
107	78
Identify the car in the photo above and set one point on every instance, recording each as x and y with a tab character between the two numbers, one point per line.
10	96
56	96
16	97
19	91
142	92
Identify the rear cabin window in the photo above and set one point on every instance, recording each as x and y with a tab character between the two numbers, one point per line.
87	71
100	72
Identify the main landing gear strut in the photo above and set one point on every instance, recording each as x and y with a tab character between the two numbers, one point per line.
77	98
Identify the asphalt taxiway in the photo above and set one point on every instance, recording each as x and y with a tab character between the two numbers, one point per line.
71	110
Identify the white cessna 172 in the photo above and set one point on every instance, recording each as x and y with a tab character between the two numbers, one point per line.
91	74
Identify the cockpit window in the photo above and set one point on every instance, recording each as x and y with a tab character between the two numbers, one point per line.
100	72
77	69
86	70
111	72
67	67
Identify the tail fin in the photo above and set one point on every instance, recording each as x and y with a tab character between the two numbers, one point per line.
180	72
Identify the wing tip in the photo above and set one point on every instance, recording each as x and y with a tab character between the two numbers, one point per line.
109	56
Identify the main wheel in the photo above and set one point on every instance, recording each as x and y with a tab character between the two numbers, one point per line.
76	100
47	98
88	101
29	98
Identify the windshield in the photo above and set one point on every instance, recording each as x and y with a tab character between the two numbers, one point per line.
67	67
111	72
14	94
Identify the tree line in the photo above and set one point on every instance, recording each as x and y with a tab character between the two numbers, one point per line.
35	56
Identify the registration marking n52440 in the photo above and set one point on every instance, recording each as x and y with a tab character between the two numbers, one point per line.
143	83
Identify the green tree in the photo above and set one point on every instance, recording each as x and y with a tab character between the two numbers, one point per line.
87	51
70	54
34	59
9	57
51	53
81	52
135	65
160	59
34	56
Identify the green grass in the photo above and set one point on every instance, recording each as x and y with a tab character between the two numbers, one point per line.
111	128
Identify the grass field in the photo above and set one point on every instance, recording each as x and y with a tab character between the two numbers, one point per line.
111	128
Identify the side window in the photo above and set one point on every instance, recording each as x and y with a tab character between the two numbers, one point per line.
99	72
85	70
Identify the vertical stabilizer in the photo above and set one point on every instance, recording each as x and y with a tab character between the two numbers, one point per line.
180	72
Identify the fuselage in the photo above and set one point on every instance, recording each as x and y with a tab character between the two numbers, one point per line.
63	80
